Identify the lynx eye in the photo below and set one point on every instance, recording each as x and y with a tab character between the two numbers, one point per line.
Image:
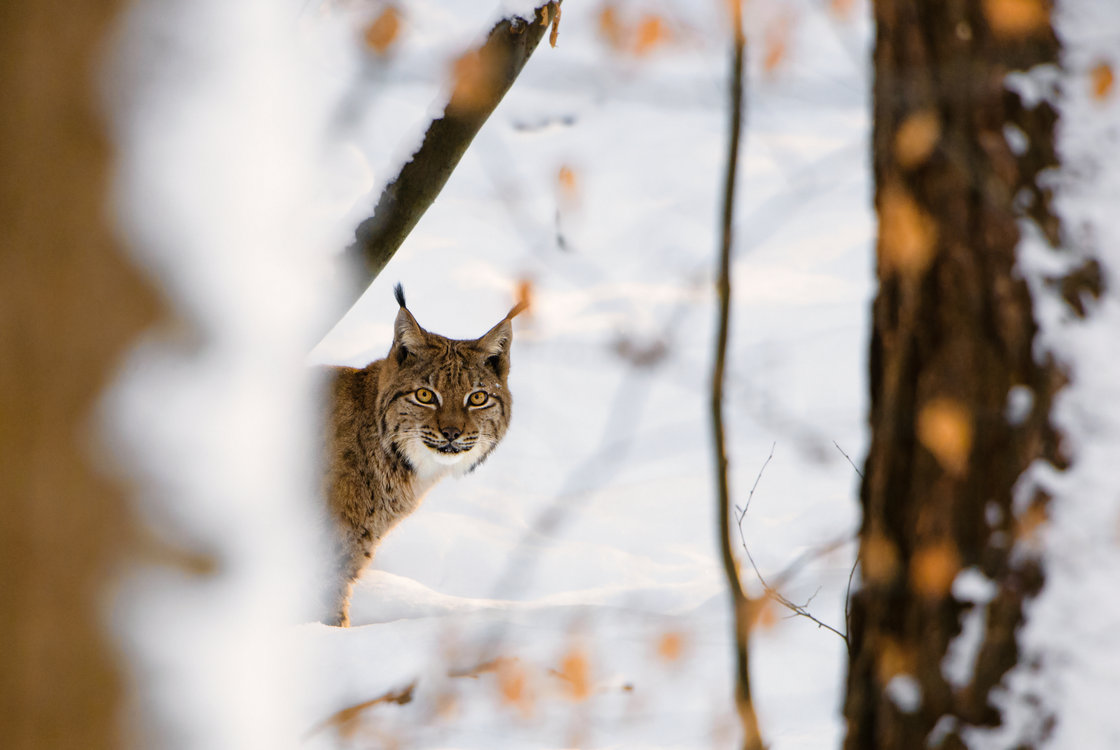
424	396
478	398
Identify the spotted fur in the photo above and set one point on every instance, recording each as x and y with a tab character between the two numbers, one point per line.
386	447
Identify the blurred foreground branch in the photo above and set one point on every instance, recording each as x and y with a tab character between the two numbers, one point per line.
742	607
481	79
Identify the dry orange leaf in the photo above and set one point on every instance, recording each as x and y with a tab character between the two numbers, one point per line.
670	646
636	37
513	686
933	568
1030	522
610	28
384	30
775	45
554	33
916	137
842	8
523	296
652	32
766	615
474	75
1102	80
893	659
568	185
907	234
878	558
1016	18
735	11
567	178
575	670
945	429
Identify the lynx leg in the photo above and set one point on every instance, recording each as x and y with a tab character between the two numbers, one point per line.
341	617
349	570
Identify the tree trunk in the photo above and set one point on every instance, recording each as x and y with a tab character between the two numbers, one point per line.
69	304
959	405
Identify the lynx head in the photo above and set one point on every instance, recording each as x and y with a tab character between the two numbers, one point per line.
444	404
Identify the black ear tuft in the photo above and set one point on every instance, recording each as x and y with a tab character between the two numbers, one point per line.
398	292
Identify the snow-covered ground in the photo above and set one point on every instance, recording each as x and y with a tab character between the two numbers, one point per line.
589	537
568	592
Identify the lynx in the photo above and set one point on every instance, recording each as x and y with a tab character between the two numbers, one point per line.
432	408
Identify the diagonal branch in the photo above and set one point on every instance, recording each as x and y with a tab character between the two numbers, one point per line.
482	79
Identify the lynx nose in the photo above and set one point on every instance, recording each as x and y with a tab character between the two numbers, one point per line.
450	433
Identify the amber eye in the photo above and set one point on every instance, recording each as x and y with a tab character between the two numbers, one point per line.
424	396
478	398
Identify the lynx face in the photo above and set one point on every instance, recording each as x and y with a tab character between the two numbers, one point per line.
447	404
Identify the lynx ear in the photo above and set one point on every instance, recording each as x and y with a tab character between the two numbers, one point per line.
495	344
407	333
495	347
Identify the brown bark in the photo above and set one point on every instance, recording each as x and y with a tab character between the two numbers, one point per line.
69	303
952	335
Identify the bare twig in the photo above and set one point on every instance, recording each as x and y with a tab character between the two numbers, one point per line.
850	461
855	562
772	591
742	607
848	599
481	86
758	477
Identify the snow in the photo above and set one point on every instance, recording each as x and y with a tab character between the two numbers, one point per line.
905	692
568	592
213	132
974	589
592	527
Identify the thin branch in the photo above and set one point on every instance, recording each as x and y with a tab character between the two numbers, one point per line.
747	505
483	81
855	562
801	610
742	607
772	591
850	461
848	599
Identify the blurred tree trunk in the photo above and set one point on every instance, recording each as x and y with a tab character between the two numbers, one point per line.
69	304
959	406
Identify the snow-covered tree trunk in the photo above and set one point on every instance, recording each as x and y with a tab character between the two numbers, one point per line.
214	417
961	392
